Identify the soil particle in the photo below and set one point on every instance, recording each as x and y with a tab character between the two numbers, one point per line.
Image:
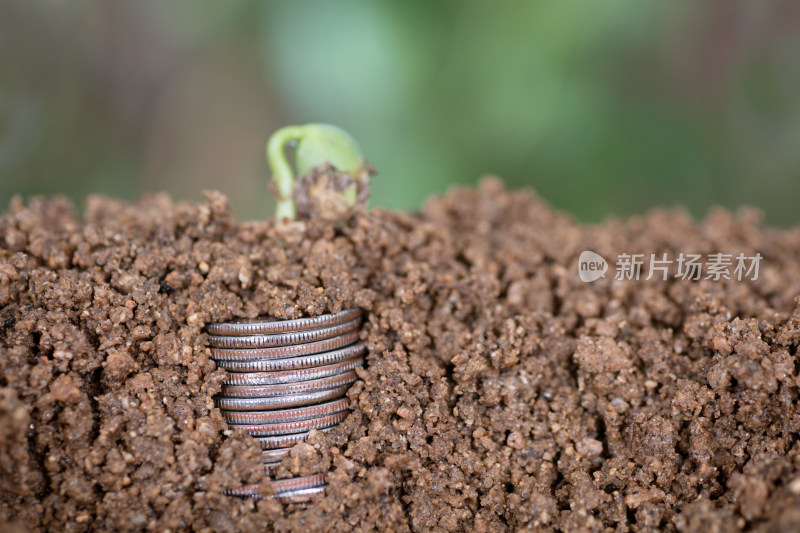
501	392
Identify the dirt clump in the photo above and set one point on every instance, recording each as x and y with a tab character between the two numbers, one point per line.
501	393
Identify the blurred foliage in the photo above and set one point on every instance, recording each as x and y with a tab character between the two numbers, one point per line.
602	107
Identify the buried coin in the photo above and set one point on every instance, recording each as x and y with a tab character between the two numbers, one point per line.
282	389
300	495
287	428
280	402
297	483
286	378
282	487
293	376
296	363
283	441
223	355
286	415
266	326
283	339
275	455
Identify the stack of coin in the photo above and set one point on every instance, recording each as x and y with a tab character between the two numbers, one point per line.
286	378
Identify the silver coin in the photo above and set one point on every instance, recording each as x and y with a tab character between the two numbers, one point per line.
300	495
248	491
252	355
274	456
286	415
289	496
292	376
297	483
268	325
289	428
283	487
283	389
280	402
283	339
283	441
296	363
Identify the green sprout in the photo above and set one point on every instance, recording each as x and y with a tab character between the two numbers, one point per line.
320	149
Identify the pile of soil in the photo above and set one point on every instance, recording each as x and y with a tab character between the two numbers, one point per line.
501	391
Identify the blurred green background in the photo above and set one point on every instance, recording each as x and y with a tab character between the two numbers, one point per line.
603	108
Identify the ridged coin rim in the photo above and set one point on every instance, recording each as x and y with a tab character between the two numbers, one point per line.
283	441
269	325
289	428
255	379
286	415
289	496
221	355
283	339
281	486
295	363
301	495
280	402
275	455
297	483
283	389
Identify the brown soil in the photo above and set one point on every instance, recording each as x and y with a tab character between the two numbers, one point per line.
501	393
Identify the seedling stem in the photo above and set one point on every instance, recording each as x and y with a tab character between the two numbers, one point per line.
316	145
